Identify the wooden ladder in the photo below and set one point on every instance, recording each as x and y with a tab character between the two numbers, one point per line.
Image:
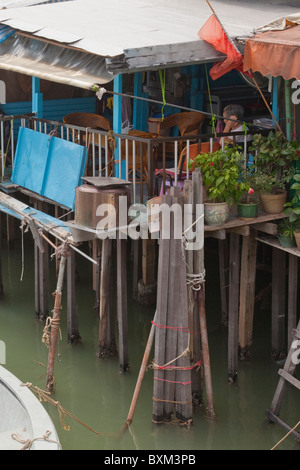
286	377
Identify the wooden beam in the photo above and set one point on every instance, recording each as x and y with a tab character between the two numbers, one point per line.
233	308
247	294
278	303
292	297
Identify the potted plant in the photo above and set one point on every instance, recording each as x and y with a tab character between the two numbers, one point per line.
221	171
286	232
248	205
292	208
274	168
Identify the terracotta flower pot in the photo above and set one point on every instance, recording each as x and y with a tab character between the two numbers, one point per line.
216	213
297	238
274	203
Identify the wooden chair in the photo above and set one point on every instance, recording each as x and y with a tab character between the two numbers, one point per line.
188	123
92	121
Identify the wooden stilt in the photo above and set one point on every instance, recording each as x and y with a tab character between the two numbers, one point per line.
233	310
161	319
223	250
172	374
1	273
122	303
199	269
41	271
247	294
278	303
55	320
137	269
147	286
107	345
72	313
292	297
194	325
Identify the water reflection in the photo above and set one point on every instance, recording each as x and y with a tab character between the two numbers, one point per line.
96	392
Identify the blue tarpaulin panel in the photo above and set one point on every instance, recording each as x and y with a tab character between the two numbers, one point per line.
49	166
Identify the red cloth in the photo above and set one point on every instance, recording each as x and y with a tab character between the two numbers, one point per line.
213	32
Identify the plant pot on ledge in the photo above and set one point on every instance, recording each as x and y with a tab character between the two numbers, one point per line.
297	238
216	213
274	203
248	206
222	179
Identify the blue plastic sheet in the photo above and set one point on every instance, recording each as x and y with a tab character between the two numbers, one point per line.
49	166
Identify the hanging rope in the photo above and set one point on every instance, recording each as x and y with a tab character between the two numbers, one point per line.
213	116
28	442
162	78
44	396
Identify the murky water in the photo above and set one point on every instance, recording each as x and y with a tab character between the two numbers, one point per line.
94	391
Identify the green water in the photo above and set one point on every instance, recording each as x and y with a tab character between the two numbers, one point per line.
94	390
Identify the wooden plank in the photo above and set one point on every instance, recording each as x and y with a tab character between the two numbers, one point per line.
161	318
172	319
281	389
278	303
292	297
266	227
148	261
193	317
275	419
106	341
72	312
274	242
289	378
235	221
122	304
247	294
1	273
233	307
223	268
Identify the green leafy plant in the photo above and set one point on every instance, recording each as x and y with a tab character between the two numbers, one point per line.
287	228
292	208
221	173
274	161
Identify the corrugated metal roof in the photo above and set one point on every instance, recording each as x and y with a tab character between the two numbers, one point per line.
109	28
132	35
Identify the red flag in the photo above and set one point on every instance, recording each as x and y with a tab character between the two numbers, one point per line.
213	32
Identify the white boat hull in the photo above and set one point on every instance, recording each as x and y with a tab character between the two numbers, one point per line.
24	422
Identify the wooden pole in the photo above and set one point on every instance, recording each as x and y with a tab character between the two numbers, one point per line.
278	303
107	345
122	303
233	308
141	375
292	297
1	274
199	269
55	322
247	294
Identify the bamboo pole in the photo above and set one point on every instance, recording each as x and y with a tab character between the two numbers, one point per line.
55	323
